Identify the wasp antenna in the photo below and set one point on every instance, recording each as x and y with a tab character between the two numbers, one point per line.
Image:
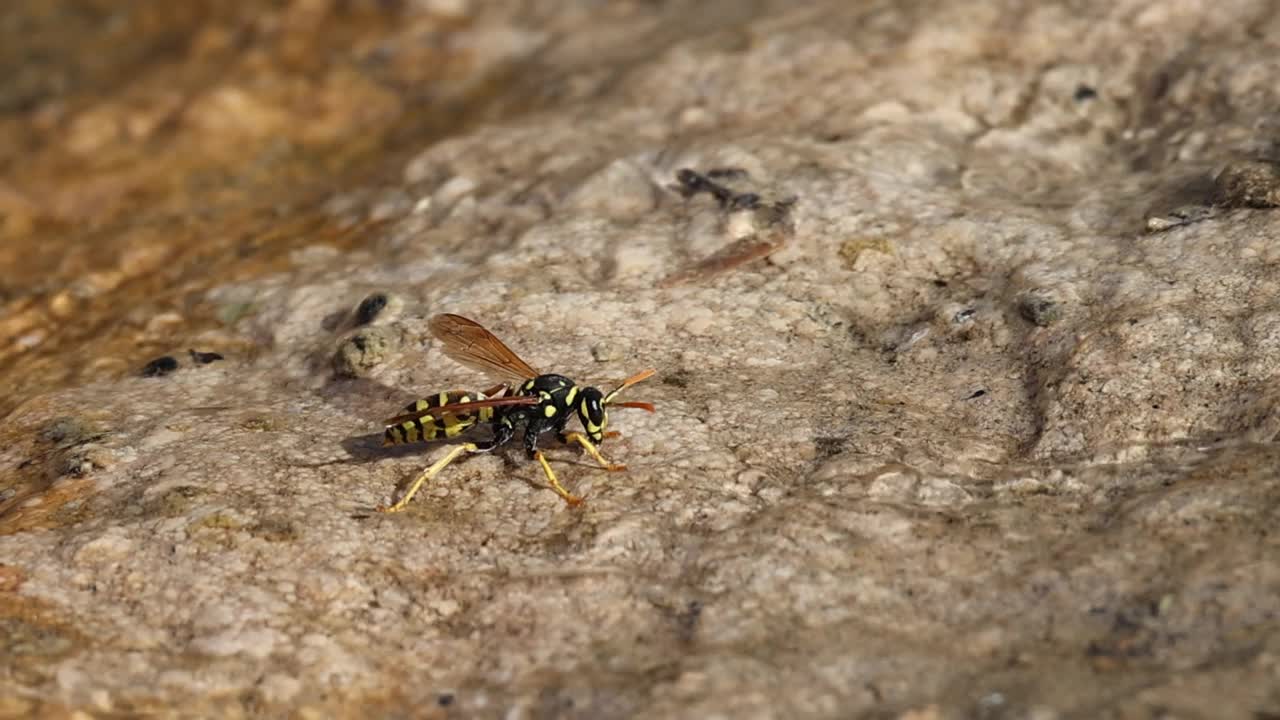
637	405
642	375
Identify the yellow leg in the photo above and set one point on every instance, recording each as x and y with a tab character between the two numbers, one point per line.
555	484
593	451
425	476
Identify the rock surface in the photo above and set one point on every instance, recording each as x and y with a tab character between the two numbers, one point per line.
943	430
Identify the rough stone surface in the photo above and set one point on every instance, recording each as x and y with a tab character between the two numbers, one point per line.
966	441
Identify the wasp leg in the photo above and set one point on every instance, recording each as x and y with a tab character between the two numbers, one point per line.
427	475
533	428
593	451
569	497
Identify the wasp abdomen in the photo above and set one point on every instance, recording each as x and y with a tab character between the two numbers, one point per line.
431	427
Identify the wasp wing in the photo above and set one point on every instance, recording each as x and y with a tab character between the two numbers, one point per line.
470	345
463	408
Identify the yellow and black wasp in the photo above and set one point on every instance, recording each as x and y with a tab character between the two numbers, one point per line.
542	402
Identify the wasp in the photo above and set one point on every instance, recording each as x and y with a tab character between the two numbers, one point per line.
541	402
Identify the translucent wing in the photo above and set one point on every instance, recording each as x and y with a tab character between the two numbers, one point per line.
463	408
470	345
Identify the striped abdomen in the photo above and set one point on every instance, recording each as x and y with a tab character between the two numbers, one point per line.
445	425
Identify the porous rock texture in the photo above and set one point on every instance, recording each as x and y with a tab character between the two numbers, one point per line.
970	441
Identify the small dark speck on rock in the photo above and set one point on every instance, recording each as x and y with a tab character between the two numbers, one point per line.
370	307
976	394
204	358
1085	92
444	699
160	366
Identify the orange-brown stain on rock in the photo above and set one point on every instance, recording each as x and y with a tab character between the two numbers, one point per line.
156	150
11	578
55	472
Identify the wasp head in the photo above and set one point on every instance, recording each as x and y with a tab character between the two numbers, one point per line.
592	413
